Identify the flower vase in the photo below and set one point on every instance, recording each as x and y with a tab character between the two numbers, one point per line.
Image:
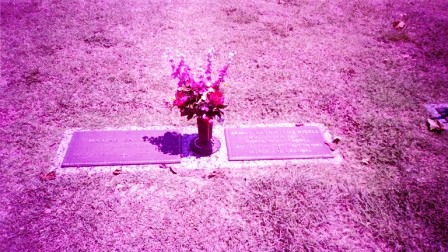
205	144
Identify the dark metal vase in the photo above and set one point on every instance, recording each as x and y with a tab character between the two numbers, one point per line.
205	144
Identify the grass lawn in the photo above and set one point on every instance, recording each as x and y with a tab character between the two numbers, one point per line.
93	64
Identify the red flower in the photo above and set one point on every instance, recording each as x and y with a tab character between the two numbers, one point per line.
216	98
181	99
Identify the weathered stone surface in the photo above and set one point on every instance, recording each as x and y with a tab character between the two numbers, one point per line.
276	143
100	148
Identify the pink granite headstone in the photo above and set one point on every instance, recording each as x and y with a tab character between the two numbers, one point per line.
276	143
100	148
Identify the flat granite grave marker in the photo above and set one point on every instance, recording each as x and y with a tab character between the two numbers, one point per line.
102	148
276	143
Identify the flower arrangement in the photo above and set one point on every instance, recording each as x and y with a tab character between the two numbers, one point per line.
197	94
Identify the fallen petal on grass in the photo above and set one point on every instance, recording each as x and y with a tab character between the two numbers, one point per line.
336	139
434	125
49	176
117	172
399	25
365	161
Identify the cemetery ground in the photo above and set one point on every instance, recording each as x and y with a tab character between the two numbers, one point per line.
350	65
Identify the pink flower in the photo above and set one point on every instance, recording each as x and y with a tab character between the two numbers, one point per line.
216	98
208	71
198	87
177	70
223	72
197	93
181	99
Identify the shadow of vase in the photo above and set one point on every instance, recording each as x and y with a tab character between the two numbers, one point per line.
169	143
173	143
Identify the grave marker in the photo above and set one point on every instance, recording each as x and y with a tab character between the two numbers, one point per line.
100	148
276	143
